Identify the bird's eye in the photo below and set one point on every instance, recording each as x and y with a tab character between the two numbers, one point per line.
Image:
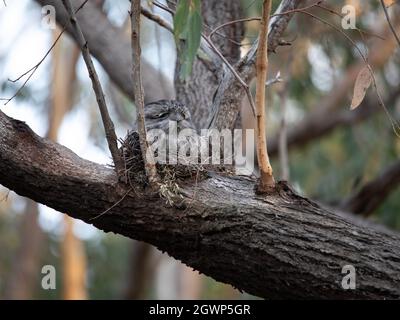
162	115
158	115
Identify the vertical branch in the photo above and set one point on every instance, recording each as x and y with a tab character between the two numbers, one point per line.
266	179
283	148
147	154
283	141
105	116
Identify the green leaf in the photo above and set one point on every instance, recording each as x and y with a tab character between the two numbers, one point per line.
193	39
181	19
194	35
187	27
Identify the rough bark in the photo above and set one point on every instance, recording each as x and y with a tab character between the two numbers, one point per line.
227	99
197	92
111	47
275	246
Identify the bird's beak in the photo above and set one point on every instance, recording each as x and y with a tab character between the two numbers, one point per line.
187	125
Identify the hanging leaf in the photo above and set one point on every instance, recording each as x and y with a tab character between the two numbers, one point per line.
181	19
193	42
363	82
187	32
388	3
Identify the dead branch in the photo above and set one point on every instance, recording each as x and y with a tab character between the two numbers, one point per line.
105	116
148	158
228	97
266	178
110	46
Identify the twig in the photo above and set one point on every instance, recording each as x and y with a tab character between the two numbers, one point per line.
209	41
340	15
32	70
148	158
266	178
113	206
274	80
157	19
161	22
36	66
161	6
216	29
232	69
107	122
390	23
395	125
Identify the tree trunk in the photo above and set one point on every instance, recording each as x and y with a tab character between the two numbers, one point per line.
26	265
198	90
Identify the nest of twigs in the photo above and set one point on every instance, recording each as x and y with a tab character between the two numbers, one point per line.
171	176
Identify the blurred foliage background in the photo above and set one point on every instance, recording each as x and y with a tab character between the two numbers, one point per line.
329	168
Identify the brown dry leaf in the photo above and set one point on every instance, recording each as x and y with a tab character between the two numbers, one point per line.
388	3
363	82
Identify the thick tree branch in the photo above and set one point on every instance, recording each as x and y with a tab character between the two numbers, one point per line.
374	193
111	47
275	246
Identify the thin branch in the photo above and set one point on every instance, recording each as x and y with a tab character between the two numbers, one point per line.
266	178
389	22
31	70
156	18
107	122
36	66
161	6
209	41
395	125
113	206
232	69
340	15
161	22
274	80
216	29
147	154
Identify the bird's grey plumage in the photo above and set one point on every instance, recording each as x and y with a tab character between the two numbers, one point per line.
158	114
